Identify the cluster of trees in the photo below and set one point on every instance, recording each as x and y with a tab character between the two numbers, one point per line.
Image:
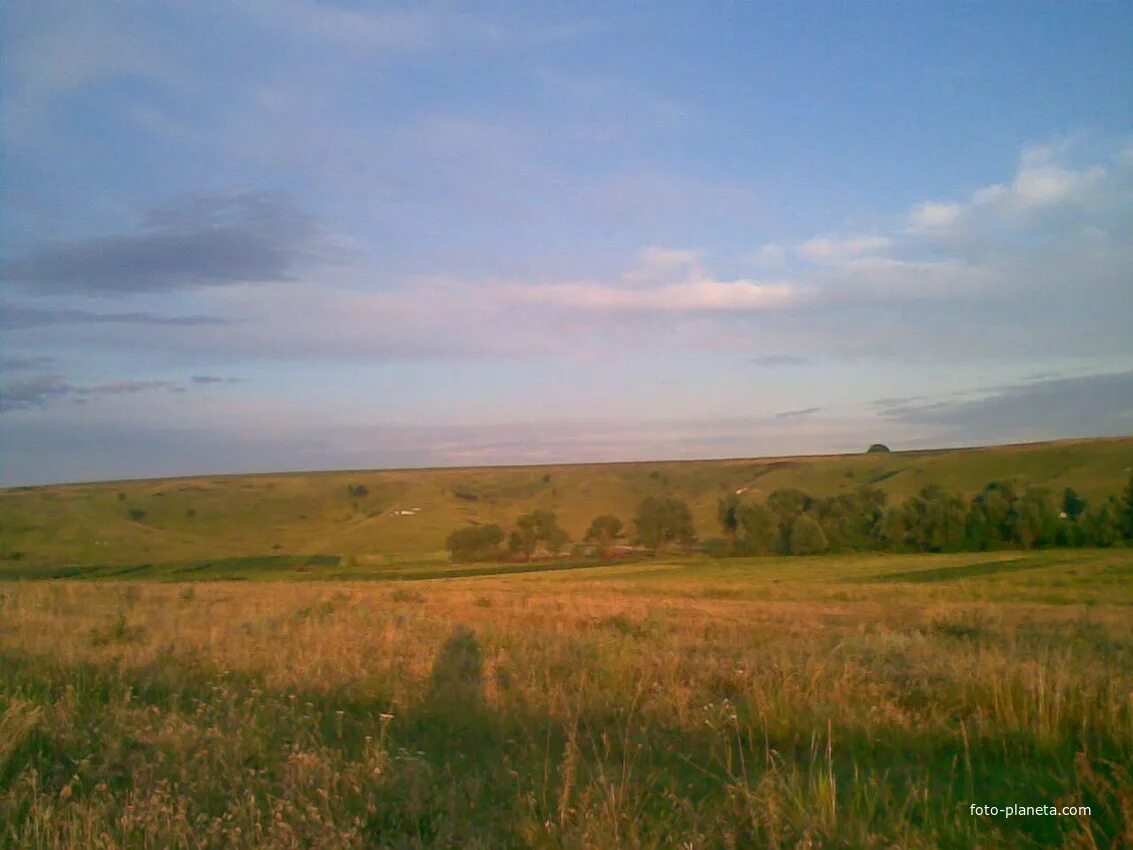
533	532
660	522
791	521
787	523
663	521
1001	515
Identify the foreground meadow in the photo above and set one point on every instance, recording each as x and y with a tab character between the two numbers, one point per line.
829	702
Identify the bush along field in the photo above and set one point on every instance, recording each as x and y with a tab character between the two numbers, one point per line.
863	700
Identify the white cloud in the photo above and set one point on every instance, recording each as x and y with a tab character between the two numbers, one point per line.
826	250
885	280
658	257
665	279
412	28
1042	186
1045	285
770	254
691	295
657	265
931	215
1039	184
54	50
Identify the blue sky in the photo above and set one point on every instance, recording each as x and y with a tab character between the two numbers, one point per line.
291	235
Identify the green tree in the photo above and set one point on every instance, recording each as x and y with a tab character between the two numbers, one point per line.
726	513
896	529
603	531
521	541
807	537
1125	510
475	542
835	516
991	517
944	523
788	504
538	527
1102	524
1073	505
871	504
662	520
1069	533
851	520
1036	520
759	529
935	521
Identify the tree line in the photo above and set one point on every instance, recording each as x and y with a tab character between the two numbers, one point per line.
792	522
1000	516
660	522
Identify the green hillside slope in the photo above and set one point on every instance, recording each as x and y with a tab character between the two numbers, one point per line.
224	516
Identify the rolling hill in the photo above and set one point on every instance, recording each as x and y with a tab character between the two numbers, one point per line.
403	516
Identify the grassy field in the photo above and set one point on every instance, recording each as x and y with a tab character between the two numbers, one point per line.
182	522
862	701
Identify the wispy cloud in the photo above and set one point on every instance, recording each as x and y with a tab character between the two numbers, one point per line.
772	360
827	250
663	280
689	296
798	414
53	444
1089	405
215	379
20	317
1006	295
39	391
199	242
1040	184
53	50
307	298
16	363
383	30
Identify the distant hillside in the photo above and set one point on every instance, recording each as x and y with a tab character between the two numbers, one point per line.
406	514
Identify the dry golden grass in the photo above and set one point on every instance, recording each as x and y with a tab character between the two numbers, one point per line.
608	708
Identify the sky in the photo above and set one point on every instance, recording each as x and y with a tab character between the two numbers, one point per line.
284	235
